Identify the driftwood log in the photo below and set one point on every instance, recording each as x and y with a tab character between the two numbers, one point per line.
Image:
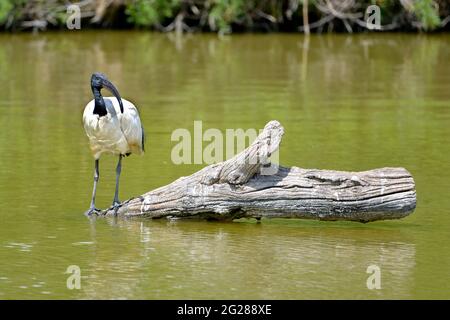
239	188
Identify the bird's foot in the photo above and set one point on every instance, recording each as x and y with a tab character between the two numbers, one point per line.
115	206
91	211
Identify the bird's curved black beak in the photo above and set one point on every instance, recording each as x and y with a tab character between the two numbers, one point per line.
108	85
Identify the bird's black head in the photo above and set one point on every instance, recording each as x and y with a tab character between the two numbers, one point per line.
100	81
97	80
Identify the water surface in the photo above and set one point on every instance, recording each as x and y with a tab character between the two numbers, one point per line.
346	102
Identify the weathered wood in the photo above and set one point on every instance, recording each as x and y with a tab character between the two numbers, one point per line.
238	188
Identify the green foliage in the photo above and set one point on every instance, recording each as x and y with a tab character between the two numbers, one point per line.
13	9
6	6
61	17
428	14
224	13
147	13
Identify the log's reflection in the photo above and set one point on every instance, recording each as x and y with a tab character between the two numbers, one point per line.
274	259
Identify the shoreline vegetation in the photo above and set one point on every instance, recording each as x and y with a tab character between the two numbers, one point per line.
227	16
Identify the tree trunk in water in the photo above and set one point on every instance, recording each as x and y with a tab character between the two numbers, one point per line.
249	186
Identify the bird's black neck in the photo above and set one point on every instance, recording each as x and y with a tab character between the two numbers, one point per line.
99	107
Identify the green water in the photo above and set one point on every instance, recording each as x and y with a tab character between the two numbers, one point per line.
346	102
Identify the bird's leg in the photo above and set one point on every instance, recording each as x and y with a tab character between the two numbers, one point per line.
92	208
116	202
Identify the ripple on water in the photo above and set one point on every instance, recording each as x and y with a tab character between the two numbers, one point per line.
23	247
83	243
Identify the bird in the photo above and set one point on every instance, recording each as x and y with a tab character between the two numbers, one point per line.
113	126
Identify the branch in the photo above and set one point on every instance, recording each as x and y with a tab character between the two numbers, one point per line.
305	17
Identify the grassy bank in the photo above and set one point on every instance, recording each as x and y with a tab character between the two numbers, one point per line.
227	16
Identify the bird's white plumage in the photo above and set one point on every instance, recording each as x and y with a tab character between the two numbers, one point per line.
115	133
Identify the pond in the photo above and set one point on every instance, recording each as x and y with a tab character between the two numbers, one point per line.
346	102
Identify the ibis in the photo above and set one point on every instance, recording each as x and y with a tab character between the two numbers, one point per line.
113	126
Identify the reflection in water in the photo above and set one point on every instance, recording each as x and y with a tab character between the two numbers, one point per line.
346	102
305	57
215	260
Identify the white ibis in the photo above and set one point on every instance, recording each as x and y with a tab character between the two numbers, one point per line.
113	126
